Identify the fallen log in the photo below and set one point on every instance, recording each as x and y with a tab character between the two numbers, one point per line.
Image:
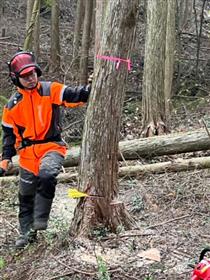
154	146
176	165
148	147
138	170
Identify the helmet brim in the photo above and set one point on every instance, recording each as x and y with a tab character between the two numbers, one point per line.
27	70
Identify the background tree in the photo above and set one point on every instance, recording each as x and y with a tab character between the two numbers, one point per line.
77	32
55	40
29	9
86	42
30	24
169	54
36	34
153	100
99	169
185	13
2	19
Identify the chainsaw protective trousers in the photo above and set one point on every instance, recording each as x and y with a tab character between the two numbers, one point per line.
36	193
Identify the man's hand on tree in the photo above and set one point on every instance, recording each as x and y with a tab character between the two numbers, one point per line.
90	79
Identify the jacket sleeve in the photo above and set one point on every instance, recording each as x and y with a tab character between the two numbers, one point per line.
9	138
67	96
77	94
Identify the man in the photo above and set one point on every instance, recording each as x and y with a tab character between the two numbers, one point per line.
31	128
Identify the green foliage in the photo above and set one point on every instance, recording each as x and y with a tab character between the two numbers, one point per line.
58	230
2	263
103	273
47	3
149	278
120	229
100	232
137	204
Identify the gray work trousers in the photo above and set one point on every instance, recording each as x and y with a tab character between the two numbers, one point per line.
36	193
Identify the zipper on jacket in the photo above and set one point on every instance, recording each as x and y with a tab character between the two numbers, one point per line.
34	124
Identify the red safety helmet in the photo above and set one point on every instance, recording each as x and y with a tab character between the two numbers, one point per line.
22	63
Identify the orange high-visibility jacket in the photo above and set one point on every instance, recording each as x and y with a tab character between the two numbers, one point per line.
31	122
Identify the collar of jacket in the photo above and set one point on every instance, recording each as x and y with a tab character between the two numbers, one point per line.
24	90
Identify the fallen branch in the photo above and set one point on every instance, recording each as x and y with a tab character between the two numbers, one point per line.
138	170
169	221
168	166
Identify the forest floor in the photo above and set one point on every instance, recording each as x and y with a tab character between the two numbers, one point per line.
172	226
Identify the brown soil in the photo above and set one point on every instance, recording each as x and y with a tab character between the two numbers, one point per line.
172	218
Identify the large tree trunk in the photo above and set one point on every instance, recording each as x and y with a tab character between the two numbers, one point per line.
99	168
153	101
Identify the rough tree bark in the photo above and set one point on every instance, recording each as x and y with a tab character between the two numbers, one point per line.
153	101
185	13
99	21
99	169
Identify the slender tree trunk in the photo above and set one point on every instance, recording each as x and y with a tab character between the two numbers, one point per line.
169	54
55	40
154	115
199	39
99	166
2	19
36	44
86	42
77	32
29	9
185	13
29	34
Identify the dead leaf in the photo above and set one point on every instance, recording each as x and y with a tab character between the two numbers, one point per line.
151	254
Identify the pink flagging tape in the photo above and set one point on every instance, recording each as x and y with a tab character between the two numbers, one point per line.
116	59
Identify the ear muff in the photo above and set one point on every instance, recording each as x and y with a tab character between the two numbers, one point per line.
14	79
38	70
